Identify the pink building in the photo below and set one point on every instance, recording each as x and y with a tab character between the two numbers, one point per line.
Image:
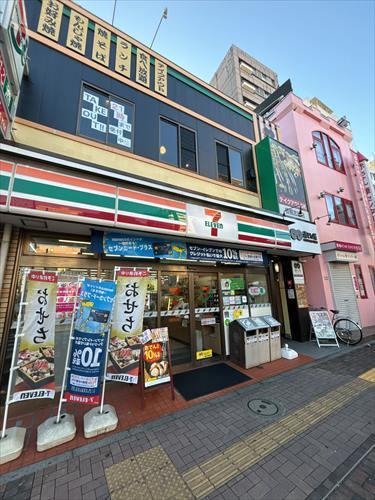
343	276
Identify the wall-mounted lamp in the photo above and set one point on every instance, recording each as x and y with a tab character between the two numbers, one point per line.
323	217
321	195
340	190
276	267
313	146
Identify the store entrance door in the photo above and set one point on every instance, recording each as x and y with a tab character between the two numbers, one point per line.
175	314
207	320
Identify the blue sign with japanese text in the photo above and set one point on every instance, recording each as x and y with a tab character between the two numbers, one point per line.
90	341
223	254
139	246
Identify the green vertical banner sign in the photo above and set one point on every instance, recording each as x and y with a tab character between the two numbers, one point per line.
281	179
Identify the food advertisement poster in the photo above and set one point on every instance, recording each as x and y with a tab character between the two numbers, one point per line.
87	356
301	296
65	299
156	358
36	352
127	325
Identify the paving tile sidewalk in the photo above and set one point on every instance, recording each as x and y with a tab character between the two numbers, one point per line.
126	400
207	432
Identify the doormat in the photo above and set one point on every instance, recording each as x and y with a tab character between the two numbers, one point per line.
197	383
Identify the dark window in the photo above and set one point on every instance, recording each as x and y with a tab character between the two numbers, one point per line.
188	153
360	281
229	165
350	213
168	142
327	151
340	210
177	145
106	118
223	163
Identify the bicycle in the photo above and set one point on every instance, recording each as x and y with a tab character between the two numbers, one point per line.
347	330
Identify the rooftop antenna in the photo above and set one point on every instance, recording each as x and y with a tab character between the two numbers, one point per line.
164	16
114	12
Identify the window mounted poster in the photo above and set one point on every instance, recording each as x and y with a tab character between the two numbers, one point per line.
106	119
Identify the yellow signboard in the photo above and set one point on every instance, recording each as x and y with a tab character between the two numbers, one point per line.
161	83
50	19
101	45
77	32
123	57
204	354
143	68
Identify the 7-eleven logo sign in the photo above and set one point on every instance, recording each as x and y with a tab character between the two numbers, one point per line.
210	223
213	220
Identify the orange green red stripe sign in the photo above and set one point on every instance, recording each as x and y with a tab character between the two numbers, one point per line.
136	209
262	232
52	194
6	171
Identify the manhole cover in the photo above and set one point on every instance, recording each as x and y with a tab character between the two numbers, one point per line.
263	407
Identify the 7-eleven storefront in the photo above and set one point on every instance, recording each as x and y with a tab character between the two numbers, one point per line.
208	265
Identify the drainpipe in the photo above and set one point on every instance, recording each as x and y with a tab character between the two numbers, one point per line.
5	241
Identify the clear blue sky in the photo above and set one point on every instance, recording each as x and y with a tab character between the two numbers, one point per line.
325	47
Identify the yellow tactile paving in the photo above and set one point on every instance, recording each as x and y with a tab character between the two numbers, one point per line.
151	474
369	375
218	470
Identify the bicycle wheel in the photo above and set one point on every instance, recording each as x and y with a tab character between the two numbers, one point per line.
347	331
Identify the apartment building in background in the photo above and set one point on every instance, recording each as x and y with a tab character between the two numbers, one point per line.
245	79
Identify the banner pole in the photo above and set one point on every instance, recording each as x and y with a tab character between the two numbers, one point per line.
105	370
58	417
12	367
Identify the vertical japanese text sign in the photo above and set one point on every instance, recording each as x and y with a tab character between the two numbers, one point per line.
143	68
50	19
101	45
123	57
127	325
36	352
77	32
89	343
161	77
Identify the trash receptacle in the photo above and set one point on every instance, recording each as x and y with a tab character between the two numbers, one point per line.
263	340
243	341
275	338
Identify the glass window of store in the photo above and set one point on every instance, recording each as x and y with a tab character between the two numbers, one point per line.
207	316
71	258
175	314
